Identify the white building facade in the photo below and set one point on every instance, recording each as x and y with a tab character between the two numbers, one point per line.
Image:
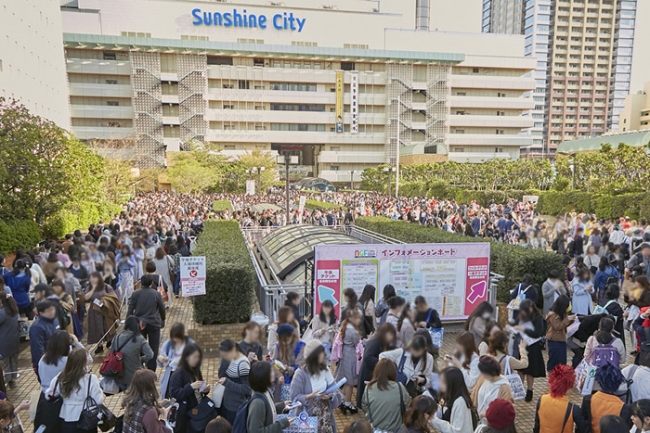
342	86
32	63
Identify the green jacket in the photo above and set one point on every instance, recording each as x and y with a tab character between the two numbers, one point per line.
385	412
260	416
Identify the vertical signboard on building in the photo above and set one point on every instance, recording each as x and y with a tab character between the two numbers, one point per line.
339	101
354	102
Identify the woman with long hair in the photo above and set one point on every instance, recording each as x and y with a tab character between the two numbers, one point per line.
490	385
187	386
380	396
419	415
367	301
395	306
165	268
233	375
465	358
9	335
262	410
456	403
289	352
170	354
135	350
285	315
478	320
309	384
604	337
250	343
125	266
490	329
414	363
74	384
582	290
350	335
405	328
531	323
498	349
382	341
324	324
557	321
96	324
143	413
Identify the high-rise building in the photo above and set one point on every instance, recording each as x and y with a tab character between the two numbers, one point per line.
583	50
32	64
636	114
277	77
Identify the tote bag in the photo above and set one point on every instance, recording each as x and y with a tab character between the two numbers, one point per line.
516	385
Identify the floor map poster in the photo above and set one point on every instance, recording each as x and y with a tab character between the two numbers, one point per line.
454	278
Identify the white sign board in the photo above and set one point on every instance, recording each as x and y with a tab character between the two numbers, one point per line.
250	187
530	199
193	276
354	102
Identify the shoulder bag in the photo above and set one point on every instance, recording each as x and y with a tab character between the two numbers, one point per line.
161	290
95	415
47	411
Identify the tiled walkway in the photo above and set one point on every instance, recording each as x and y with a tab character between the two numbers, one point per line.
27	386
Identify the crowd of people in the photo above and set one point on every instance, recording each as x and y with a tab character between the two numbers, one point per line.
112	286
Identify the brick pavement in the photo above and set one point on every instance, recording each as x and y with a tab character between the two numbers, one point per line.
209	336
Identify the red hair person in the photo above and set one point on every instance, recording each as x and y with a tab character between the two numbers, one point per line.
547	420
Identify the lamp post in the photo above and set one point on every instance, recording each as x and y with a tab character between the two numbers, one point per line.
259	171
572	167
352	180
388	170
287	159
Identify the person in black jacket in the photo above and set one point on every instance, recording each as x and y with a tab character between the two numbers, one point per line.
614	309
184	383
147	305
382	341
426	317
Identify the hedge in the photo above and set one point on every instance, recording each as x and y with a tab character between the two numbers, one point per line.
17	234
230	276
634	205
78	216
511	261
221	206
321	205
446	191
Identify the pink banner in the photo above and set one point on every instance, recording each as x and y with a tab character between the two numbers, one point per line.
477	282
328	284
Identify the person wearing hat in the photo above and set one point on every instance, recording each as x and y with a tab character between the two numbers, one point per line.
233	376
288	351
639	263
309	384
547	416
500	417
617	235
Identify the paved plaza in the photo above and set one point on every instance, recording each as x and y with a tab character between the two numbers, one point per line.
27	386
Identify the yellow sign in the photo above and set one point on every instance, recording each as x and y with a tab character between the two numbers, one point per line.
339	101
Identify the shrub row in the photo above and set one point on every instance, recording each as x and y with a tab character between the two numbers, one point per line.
221	206
446	191
16	234
634	205
321	205
230	276
77	216
511	261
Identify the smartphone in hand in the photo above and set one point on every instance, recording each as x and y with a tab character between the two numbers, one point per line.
169	404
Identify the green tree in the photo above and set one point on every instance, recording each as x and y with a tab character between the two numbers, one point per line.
44	170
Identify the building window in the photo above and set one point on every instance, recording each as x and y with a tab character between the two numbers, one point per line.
499	132
347	66
501	113
475	70
498	150
112	103
109	56
111	81
295	87
219	60
334	167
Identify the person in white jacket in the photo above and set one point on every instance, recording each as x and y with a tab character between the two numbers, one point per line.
75	384
414	362
465	358
455	415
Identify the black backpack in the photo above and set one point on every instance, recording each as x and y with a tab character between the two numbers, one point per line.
556	244
240	425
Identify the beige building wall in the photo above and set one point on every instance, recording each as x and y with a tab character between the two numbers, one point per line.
636	115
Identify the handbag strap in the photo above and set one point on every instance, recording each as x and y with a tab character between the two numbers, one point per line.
117	340
89	401
507	369
401	398
368	404
569	408
429	316
402	361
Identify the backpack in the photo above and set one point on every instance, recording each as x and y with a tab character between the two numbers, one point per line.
337	348
644	356
556	244
113	364
604	354
240	425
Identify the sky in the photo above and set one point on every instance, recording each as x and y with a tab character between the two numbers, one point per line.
465	15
